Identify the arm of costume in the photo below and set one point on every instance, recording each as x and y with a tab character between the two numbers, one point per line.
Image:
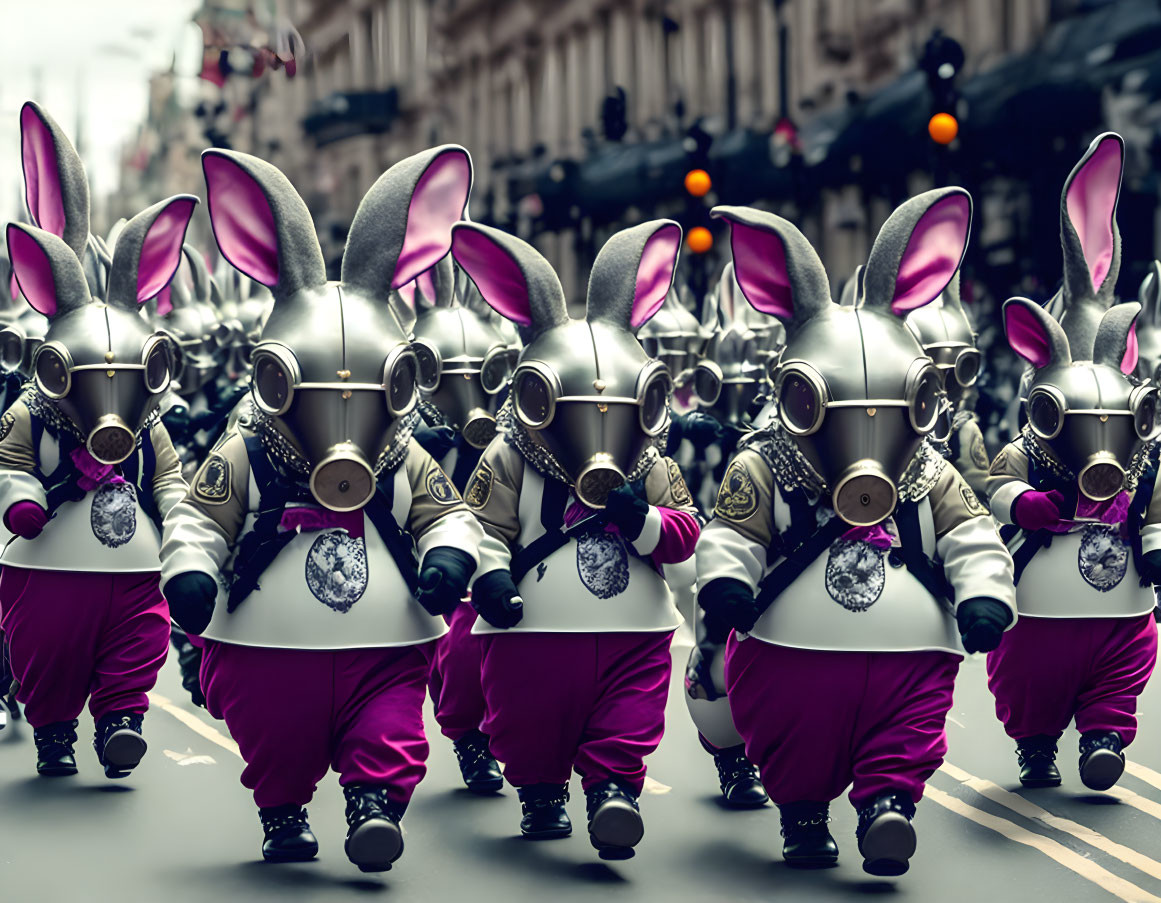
972	451
18	460
735	541
1151	531
975	561
169	486
671	526
1007	481
201	529
438	515
493	495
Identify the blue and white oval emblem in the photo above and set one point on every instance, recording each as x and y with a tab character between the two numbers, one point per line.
1103	558
113	516
603	564
855	575
336	569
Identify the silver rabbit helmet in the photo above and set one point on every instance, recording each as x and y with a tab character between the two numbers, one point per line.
100	363
334	374
200	339
1080	401
464	363
584	392
1149	325
947	337
675	337
19	341
853	386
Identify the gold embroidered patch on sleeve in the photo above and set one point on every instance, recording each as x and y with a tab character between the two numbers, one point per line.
439	487
480	487
737	497
213	483
972	502
678	490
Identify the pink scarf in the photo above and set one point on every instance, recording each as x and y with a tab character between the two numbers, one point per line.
308	519
93	472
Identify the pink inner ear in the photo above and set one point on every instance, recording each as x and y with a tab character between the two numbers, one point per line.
1092	204
407	293
655	273
161	249
41	177
426	284
495	273
1129	361
1026	335
436	204
33	272
165	301
760	269
13	286
933	253
242	219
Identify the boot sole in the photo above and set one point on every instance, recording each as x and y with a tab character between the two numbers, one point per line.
57	771
1033	783
555	834
823	861
888	845
123	752
744	804
374	845
1102	769
615	828
286	856
485	788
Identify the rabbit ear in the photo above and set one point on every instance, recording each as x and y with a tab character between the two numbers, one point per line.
918	251
55	186
444	278
1088	221
777	270
633	273
48	272
403	225
1116	338
1150	294
852	294
1033	334
511	275
164	300
198	271
262	226
148	251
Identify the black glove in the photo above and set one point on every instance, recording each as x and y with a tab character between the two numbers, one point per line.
625	508
177	422
727	603
981	623
437	441
496	599
702	429
1151	566
191	598
443	581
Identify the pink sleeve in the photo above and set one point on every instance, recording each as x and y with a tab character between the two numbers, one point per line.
679	532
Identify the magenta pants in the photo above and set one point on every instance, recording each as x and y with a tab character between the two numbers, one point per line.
74	635
1048	671
815	722
454	682
297	712
590	701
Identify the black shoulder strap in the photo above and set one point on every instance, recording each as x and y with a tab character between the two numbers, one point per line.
398	541
798	559
927	571
553	499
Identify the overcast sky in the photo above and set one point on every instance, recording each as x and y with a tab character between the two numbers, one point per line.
89	59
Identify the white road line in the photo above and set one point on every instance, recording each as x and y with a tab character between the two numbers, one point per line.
1086	868
194	723
1129	798
1028	809
1143	773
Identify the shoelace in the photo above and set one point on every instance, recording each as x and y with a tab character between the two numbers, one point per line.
819	821
272	822
362	805
59	735
472	753
729	770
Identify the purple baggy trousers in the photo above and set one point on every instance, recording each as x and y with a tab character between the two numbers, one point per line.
455	676
297	712
1048	671
815	722
76	635
590	701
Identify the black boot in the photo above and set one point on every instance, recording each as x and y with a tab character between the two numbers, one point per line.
1037	758
615	824
118	742
288	837
1101	760
54	749
886	837
480	770
545	817
807	842
374	836
738	778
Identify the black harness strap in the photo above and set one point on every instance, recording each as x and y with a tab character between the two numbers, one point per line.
398	541
928	572
553	500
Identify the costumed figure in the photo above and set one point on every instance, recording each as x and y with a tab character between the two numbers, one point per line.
1148	328
87	473
844	551
580	510
1076	491
319	546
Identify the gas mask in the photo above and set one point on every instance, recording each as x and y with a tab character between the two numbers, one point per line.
852	386
19	341
675	338
587	398
334	374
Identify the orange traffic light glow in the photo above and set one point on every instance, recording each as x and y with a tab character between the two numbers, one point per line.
943	128
698	183
699	239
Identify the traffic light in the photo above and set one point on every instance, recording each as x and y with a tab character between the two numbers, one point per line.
699	240
613	112
942	60
698	183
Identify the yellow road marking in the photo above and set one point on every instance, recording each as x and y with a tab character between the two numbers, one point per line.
1129	798
1086	868
194	723
1143	773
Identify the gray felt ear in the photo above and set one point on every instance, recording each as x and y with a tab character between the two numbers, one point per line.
55	186
148	251
444	277
852	293
199	273
1034	334
1150	295
1114	345
403	225
47	271
261	224
511	276
633	273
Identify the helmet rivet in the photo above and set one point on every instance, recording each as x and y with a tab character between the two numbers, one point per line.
109	373
110	357
1104	418
599	385
343	374
603	408
347	395
871	412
